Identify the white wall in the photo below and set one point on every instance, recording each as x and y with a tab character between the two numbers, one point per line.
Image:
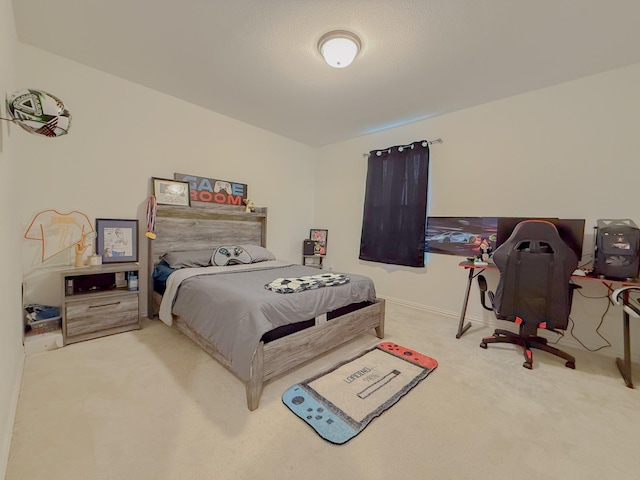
122	134
11	351
568	151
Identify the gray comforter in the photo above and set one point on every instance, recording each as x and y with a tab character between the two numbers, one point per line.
232	309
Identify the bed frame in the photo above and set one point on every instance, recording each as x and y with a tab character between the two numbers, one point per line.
203	226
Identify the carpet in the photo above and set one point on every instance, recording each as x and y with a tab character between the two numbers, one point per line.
340	402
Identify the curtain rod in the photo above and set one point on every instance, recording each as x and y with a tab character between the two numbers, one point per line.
429	142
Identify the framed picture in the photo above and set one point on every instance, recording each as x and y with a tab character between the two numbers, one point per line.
117	240
171	192
319	238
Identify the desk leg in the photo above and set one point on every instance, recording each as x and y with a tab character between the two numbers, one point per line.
625	365
461	326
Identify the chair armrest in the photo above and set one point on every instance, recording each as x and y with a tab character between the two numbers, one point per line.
482	285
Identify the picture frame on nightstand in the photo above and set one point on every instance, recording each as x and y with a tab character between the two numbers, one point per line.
319	238
117	240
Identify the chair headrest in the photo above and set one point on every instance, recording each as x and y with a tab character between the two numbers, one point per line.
538	229
539	233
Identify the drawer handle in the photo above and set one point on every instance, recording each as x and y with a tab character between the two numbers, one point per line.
104	305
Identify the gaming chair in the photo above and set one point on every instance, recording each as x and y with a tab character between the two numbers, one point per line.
535	267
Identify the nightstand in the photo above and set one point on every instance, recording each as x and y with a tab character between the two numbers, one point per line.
98	301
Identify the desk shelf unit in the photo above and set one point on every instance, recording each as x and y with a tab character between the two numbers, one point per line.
97	301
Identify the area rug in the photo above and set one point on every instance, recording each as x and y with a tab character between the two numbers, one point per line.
340	402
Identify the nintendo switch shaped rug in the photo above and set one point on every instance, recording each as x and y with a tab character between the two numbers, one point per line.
339	403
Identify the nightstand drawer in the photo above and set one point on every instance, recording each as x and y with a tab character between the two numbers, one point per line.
98	313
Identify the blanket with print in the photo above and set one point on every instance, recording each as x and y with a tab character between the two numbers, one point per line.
309	282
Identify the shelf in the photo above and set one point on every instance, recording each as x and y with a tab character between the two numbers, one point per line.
315	261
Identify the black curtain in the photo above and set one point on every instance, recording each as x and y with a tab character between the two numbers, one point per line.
395	205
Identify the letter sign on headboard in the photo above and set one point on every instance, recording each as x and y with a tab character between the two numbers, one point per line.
212	190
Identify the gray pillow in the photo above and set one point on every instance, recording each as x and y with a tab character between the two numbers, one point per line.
195	258
258	253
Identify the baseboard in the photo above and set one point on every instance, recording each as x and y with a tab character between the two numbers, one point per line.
5	445
426	308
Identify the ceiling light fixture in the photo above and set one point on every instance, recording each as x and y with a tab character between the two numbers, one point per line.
339	48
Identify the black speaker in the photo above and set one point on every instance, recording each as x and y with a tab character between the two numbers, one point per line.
90	283
307	247
617	253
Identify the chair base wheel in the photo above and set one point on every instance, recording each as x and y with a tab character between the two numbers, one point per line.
527	342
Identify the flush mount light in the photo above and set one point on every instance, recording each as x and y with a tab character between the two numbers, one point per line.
339	48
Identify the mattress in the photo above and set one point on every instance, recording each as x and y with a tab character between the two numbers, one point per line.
231	309
162	271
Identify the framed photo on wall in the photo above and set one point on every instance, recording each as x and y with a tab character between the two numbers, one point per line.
319	238
171	192
117	240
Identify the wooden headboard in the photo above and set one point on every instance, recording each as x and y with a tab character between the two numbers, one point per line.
203	226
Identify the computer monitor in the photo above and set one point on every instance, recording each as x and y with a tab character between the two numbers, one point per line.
571	230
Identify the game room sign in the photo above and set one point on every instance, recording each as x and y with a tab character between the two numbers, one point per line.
214	191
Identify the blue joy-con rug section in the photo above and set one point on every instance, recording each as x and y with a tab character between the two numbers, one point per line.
329	425
352	400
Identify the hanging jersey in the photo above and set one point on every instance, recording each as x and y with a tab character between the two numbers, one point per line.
58	231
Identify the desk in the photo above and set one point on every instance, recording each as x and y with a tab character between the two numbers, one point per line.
624	365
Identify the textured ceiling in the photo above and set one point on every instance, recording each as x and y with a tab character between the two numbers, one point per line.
257	61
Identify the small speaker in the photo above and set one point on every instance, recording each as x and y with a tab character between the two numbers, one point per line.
307	247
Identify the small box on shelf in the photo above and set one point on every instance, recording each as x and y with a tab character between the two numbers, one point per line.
132	281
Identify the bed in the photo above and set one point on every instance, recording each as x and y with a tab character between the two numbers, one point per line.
203	227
